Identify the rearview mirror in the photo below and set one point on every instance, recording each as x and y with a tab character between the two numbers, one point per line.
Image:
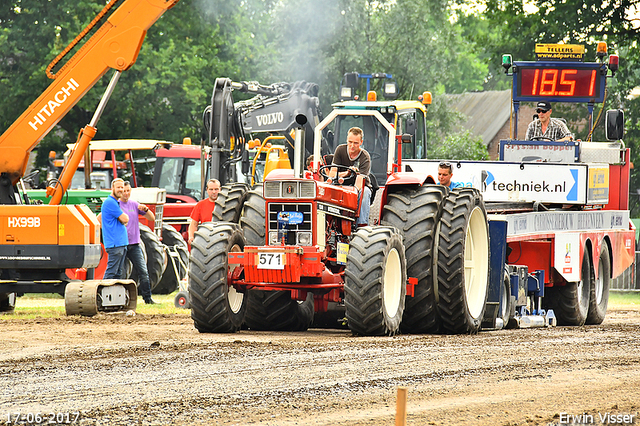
614	125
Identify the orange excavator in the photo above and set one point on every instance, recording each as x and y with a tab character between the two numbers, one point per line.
38	242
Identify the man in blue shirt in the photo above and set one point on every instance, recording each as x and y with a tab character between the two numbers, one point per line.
445	172
114	231
133	209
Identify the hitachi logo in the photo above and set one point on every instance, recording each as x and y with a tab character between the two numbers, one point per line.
58	99
273	118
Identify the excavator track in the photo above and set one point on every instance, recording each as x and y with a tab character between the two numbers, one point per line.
86	297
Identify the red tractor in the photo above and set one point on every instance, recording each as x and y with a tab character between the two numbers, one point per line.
297	249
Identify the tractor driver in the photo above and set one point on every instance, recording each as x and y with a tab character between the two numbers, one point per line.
546	127
357	159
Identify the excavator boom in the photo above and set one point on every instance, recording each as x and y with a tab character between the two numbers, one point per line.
114	45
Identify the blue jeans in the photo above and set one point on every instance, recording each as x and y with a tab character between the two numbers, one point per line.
135	255
115	263
365	207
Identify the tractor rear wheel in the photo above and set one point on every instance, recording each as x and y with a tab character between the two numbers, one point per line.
375	281
177	253
463	262
253	217
229	203
599	294
416	214
216	307
570	302
155	255
276	311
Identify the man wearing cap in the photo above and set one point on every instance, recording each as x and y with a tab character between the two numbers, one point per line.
546	127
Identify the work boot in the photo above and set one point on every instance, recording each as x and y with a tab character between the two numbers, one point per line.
150	301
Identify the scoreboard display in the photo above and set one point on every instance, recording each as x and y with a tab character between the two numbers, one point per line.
559	81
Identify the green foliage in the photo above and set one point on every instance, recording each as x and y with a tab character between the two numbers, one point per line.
441	46
460	146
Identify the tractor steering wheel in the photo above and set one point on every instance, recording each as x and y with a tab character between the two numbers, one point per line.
541	138
349	179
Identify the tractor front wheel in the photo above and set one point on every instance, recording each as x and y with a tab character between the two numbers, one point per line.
216	306
375	281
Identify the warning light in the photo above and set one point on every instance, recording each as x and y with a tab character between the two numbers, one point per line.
602	49
371	96
425	98
186	141
506	62
613	63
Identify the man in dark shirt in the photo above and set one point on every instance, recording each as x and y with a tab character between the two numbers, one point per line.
357	159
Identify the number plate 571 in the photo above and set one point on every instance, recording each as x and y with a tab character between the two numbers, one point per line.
270	260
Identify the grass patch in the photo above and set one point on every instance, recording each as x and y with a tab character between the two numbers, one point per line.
624	300
33	305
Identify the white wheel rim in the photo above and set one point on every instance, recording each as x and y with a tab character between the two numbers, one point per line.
599	284
476	262
235	298
581	287
392	285
504	298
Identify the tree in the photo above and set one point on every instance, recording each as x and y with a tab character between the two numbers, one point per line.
161	97
583	23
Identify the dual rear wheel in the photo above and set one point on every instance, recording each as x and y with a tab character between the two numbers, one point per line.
584	301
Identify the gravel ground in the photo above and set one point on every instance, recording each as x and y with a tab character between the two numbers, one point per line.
158	370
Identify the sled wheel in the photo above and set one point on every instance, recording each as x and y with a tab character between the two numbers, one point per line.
599	295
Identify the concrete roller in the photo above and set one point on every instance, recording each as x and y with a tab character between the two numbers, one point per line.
87	298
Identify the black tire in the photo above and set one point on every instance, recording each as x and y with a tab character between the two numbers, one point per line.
229	203
216	307
463	262
375	281
416	214
570	302
505	307
155	255
7	302
334	317
275	311
182	300
177	252
253	217
599	294
376	207
270	310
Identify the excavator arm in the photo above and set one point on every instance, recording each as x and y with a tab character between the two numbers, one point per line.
272	110
116	45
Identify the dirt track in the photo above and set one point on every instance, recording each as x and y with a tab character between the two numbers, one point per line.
158	370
